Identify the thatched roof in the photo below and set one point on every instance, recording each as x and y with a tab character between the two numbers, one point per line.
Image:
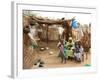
48	21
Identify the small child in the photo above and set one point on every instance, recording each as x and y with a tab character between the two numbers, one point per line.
61	53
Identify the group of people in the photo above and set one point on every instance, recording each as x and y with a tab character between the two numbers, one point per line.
70	50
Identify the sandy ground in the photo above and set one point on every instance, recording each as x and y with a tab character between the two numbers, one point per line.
52	60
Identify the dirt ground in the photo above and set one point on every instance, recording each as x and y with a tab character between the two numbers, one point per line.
51	59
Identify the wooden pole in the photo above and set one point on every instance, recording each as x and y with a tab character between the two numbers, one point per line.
47	34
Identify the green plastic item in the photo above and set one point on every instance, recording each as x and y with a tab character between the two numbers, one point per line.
87	65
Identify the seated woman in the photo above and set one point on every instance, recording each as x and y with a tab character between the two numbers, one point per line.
70	46
78	54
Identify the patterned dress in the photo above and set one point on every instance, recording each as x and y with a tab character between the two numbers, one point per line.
69	49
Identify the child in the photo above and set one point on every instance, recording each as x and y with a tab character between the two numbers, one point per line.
62	54
65	51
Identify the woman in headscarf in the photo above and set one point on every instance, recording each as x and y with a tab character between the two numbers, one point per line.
78	52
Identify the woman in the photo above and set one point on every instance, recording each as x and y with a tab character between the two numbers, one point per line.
78	52
70	45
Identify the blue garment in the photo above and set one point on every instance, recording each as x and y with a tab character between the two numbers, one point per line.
74	24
